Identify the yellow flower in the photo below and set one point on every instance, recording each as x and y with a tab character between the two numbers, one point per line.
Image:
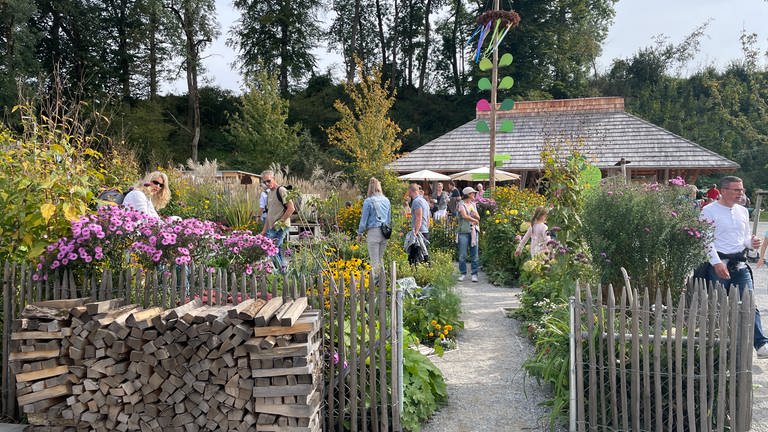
442	336
445	332
354	247
431	334
433	322
437	326
448	327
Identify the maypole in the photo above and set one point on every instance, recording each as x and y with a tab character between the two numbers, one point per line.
494	90
493	26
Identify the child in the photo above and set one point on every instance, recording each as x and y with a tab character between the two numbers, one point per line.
537	233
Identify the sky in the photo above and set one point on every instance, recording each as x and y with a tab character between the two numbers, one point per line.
634	27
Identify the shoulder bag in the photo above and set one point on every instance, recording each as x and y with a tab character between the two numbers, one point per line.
386	229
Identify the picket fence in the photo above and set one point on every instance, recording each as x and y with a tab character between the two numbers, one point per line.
362	385
651	365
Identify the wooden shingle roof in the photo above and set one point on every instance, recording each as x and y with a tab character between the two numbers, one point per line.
601	127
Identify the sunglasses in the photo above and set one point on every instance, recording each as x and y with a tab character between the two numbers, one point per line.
157	183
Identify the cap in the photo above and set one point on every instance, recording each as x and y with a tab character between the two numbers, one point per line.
468	190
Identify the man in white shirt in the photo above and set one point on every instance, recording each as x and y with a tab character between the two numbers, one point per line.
727	253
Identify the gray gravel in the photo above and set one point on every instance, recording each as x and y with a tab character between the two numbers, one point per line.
487	388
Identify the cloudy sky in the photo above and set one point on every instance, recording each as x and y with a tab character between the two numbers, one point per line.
635	25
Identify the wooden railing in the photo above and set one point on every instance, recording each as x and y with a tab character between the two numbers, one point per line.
361	383
652	366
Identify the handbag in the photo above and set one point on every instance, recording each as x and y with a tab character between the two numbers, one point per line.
386	229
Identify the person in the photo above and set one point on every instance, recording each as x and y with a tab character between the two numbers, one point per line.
376	212
536	233
263	202
727	253
419	211
150	194
440	200
455	197
279	211
480	191
713	193
469	232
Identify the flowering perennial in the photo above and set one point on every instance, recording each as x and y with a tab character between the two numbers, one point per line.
104	241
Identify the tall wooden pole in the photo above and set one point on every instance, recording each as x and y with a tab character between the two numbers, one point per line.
494	88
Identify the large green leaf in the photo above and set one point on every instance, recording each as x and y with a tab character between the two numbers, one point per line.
505	60
484	84
507	104
482	126
485	64
506	83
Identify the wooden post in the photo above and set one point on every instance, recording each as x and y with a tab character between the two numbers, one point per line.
494	90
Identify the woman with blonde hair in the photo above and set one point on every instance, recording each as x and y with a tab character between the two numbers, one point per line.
376	212
150	194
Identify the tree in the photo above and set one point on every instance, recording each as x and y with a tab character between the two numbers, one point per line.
365	133
450	62
277	36
17	47
259	131
196	21
354	32
555	44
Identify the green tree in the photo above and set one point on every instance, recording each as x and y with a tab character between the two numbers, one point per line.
17	47
354	33
556	44
259	131
196	20
277	36
366	134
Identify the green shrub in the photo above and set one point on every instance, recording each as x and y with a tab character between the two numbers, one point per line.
439	272
653	231
501	231
423	388
49	175
550	362
442	236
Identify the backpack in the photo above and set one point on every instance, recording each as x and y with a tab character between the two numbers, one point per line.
112	195
296	200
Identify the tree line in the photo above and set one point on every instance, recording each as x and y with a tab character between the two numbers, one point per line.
116	54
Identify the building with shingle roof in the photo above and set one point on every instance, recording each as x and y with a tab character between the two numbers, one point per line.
599	127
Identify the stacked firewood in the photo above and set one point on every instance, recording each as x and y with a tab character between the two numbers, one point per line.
246	367
43	377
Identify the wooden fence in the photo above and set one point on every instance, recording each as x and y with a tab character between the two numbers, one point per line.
360	375
652	366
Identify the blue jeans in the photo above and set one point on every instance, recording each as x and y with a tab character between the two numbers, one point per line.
465	241
278	236
743	279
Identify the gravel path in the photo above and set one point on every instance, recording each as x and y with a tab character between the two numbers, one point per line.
487	388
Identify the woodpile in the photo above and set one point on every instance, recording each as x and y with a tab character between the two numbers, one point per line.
108	366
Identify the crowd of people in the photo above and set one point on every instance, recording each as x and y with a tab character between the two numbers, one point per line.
723	206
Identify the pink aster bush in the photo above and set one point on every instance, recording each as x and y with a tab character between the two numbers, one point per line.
175	241
244	252
117	236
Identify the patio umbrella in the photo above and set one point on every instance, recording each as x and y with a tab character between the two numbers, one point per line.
483	173
424	175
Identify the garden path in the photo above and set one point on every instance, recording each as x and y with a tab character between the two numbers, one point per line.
488	390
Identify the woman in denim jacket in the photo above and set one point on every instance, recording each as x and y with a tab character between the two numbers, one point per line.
376	211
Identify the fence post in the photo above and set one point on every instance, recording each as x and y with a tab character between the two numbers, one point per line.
572	366
397	350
